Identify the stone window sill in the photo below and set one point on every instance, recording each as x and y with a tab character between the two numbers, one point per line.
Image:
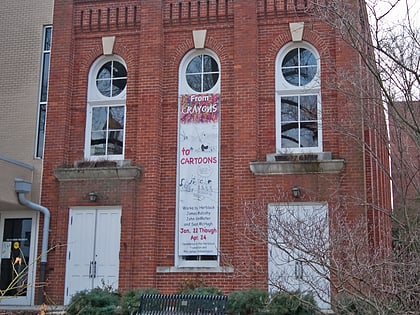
172	269
91	173
277	164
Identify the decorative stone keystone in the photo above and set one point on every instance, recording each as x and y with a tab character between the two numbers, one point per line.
199	37
108	45
296	30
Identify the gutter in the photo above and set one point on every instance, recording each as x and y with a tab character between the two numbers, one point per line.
22	187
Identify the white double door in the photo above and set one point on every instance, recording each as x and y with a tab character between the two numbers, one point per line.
92	250
297	250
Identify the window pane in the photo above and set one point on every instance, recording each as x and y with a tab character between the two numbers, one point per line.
116	117
41	130
44	79
115	139
209	64
118	86
105	71
99	118
119	70
98	143
308	107
47	43
307	74
309	134
291	75
289	135
289	108
291	59
104	86
307	58
195	65
209	80
194	81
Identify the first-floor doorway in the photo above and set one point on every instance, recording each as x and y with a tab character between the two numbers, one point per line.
18	257
92	250
298	237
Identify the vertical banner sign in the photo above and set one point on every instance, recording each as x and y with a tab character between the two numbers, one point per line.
198	174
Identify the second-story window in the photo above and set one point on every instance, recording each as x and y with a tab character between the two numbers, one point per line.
298	99
105	130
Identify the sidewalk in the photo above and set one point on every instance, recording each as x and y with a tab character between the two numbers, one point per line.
32	310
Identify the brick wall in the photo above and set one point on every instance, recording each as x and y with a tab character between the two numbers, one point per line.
152	37
21	52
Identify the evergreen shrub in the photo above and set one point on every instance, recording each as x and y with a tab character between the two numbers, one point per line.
248	302
292	304
97	301
130	300
259	302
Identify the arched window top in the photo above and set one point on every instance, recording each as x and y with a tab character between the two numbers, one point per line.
199	72
107	78
298	67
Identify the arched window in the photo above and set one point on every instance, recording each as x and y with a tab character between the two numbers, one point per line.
105	121
298	99
197	235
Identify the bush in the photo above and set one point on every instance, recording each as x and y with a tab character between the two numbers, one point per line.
249	302
292	304
197	287
95	302
130	300
259	302
349	305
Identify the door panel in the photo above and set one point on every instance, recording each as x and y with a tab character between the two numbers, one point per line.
284	269
93	250
81	237
107	248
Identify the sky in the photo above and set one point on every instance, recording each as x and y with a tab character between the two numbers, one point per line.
393	22
399	13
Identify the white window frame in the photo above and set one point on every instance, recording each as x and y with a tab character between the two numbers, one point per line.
183	89
286	89
43	94
97	99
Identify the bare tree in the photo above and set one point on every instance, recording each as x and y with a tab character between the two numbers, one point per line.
389	49
325	251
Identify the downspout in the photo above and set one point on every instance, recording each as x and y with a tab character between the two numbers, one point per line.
22	187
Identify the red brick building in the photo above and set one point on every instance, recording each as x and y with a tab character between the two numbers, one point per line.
166	117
